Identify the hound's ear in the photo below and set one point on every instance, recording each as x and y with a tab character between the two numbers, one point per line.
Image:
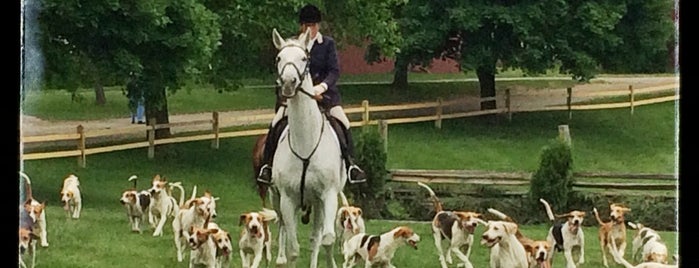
277	39
528	247
157	177
625	209
242	219
510	227
359	211
229	236
305	37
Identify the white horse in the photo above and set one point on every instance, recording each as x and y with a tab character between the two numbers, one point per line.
308	167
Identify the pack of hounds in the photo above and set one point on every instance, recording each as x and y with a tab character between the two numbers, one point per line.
197	235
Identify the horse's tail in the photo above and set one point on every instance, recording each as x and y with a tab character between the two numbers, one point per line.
549	212
28	186
257	155
435	200
344	199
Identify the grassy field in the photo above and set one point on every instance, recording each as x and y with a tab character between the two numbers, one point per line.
610	140
102	238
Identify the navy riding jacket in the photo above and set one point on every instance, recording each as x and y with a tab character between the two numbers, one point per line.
325	68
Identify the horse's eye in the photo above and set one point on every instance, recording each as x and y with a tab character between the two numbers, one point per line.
304	59
277	60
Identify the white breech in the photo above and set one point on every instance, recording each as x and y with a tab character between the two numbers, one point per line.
336	112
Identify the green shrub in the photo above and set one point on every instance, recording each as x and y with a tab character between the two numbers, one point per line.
553	180
371	157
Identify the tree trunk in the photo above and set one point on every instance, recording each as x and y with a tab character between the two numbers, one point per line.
100	98
158	112
486	80
400	73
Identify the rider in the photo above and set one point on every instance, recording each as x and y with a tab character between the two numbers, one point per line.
325	71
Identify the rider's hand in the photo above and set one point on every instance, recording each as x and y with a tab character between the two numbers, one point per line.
318	90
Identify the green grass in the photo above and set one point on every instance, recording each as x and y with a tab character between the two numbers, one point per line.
609	140
102	238
604	140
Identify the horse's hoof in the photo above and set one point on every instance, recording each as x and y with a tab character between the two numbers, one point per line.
281	261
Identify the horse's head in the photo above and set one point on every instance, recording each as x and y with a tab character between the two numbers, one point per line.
293	62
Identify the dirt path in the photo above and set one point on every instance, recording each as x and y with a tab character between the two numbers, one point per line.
523	97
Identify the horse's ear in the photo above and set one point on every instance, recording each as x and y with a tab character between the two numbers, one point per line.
305	37
277	39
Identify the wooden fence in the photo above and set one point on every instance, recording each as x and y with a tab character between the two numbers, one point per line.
216	123
605	181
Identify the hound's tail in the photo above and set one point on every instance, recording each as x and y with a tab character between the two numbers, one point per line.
28	186
344	199
435	200
633	225
549	212
269	214
179	186
134	178
500	215
594	210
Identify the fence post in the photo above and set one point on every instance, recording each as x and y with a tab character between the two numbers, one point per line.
365	114
383	132
508	104
631	97
564	133
569	101
215	142
438	121
81	146
151	139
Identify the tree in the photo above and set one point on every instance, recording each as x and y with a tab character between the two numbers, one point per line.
165	43
648	37
488	36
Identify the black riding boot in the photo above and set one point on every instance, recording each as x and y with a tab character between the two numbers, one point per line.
273	134
354	173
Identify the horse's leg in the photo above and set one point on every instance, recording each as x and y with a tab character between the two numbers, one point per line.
316	231
281	248
288	208
328	212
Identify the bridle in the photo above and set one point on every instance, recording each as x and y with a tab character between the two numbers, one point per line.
301	75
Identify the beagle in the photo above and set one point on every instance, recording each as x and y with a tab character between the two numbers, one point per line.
136	204
222	240
567	237
348	219
377	249
619	259
505	249
36	211
537	250
647	244
255	237
27	239
202	245
456	227
162	204
70	196
612	234
193	213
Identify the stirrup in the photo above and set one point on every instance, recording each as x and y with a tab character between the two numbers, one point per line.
265	175
360	175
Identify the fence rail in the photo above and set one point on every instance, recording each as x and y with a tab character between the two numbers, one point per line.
513	183
365	110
